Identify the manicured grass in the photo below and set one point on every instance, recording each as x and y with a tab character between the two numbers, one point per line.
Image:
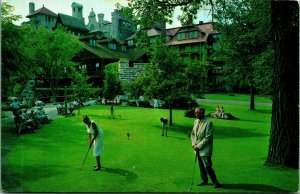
48	161
237	97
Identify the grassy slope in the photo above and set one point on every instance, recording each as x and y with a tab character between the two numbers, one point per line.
48	160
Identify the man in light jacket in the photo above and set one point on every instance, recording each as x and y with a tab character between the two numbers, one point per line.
202	143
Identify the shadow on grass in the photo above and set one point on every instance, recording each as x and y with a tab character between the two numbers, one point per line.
254	187
252	120
221	132
264	111
179	138
236	132
128	174
25	174
105	117
34	172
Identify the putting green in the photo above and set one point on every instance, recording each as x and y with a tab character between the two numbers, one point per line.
48	160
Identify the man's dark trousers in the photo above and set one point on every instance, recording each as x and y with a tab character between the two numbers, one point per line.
205	165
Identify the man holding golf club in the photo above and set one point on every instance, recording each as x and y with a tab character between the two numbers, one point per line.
96	136
202	143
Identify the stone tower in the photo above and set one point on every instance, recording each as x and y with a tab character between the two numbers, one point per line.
121	27
115	17
31	8
92	25
101	21
77	10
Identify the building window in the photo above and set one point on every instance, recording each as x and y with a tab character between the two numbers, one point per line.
123	48
193	34
181	36
92	42
130	42
112	46
167	38
152	40
92	27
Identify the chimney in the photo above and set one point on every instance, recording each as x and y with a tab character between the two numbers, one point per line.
31	8
190	20
100	17
200	22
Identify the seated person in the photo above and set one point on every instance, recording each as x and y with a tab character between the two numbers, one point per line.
222	112
28	122
15	105
36	122
76	104
164	122
71	108
19	121
39	103
218	112
59	108
41	116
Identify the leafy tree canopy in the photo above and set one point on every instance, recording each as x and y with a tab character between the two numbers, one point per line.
245	43
161	11
15	46
112	84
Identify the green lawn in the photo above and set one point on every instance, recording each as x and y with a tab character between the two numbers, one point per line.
48	160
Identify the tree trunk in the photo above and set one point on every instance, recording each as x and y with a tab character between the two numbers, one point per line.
284	137
170	110
252	105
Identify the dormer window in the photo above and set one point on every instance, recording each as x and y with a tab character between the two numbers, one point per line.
181	36
123	48
193	34
92	42
130	42
112	46
167	38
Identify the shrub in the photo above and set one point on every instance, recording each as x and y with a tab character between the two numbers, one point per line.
145	104
190	113
183	103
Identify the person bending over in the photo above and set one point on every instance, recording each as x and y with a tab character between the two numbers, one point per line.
96	137
164	122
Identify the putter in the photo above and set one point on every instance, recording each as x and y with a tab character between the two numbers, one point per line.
85	157
193	174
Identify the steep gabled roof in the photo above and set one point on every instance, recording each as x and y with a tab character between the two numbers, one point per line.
106	53
206	28
133	36
72	22
172	31
113	40
136	53
43	11
154	32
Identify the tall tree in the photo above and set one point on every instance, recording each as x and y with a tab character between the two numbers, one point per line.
16	50
112	83
80	86
166	77
245	44
53	52
284	139
284	142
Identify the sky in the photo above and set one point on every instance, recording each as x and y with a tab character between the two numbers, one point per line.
99	6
